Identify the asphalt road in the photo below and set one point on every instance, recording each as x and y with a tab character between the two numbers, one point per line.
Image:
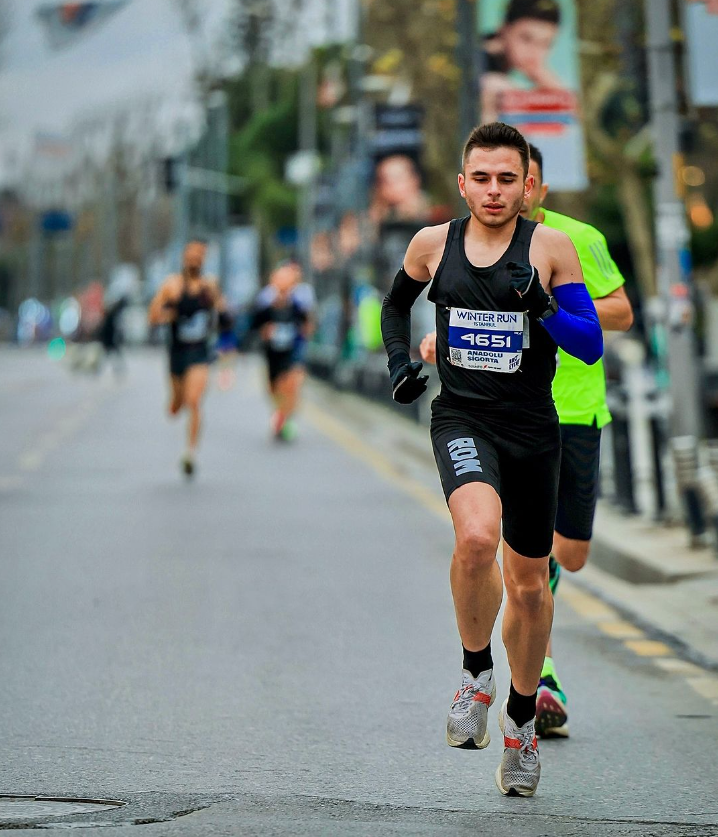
271	647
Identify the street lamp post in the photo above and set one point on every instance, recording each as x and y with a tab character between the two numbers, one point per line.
673	265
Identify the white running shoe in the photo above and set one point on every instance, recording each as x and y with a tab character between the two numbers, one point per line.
466	726
520	768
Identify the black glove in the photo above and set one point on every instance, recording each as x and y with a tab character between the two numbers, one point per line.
406	385
526	283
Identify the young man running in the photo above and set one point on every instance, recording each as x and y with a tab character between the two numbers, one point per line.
579	392
494	426
283	319
187	302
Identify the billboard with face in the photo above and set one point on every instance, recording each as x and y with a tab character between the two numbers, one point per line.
701	20
529	79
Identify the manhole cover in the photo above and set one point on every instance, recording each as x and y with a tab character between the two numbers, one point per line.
28	808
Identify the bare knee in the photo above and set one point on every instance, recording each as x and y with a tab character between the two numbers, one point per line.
475	550
572	554
527	592
175	406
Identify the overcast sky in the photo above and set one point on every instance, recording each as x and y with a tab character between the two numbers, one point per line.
141	51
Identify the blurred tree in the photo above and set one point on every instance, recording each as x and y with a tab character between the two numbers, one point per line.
616	121
260	145
206	58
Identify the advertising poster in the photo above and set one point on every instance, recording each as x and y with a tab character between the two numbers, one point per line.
529	79
701	20
399	205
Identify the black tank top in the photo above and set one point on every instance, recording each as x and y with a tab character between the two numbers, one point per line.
191	328
472	329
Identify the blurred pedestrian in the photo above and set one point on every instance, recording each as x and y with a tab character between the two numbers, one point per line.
283	318
579	392
111	336
507	291
187	302
227	348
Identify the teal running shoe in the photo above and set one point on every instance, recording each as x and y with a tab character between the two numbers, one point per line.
554	574
551	712
288	433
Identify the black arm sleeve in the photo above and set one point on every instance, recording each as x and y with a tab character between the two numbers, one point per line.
396	317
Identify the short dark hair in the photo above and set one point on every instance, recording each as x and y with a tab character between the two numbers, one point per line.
546	10
537	156
497	135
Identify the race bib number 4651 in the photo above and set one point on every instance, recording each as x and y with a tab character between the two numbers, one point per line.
487	340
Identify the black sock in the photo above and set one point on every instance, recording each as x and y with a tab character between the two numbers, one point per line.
521	708
478	661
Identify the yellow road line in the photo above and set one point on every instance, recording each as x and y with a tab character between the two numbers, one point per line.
648	648
676	666
589	607
706	686
33	458
620	629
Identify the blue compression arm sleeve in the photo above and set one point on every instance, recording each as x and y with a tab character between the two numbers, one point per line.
575	326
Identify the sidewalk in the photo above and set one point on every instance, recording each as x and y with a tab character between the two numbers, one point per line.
645	570
650	573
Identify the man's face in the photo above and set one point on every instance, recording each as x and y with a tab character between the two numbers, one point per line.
493	185
396	180
194	254
283	280
532	204
527	43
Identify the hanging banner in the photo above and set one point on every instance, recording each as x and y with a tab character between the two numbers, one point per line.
65	23
529	79
701	21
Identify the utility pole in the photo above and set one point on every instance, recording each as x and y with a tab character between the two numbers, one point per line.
670	225
308	147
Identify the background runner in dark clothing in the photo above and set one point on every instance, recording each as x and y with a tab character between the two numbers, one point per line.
283	323
187	302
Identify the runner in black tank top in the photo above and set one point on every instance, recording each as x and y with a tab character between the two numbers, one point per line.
509	414
187	303
458	284
494	427
189	333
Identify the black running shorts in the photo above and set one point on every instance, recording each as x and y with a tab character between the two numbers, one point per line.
181	358
516	454
279	363
578	480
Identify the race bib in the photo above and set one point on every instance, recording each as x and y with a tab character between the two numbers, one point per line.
487	340
195	328
283	337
